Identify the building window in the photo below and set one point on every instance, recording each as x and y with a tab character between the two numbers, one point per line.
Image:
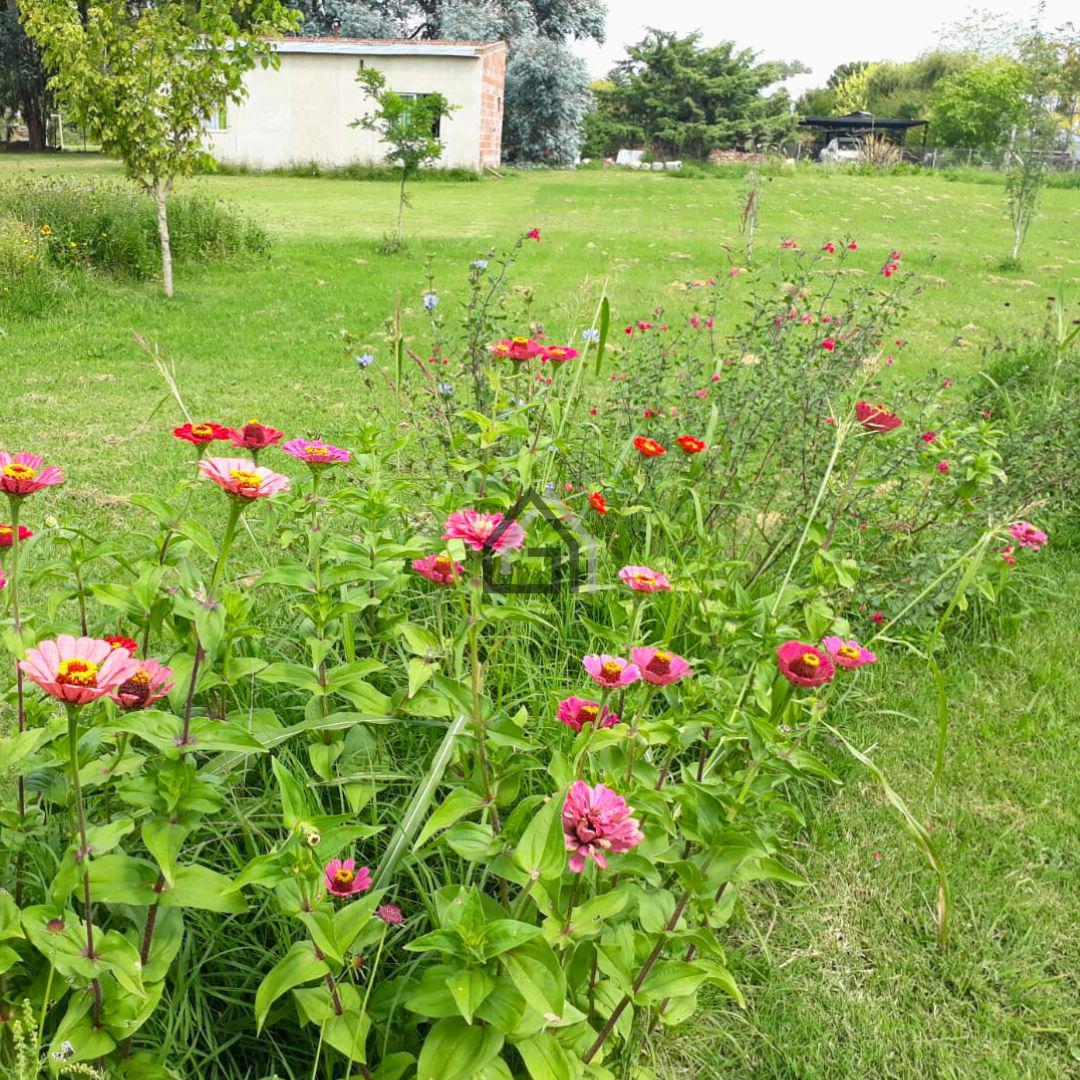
217	121
436	128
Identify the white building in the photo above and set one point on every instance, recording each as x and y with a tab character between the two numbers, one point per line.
301	112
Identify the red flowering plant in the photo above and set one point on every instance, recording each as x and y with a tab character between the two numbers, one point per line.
488	806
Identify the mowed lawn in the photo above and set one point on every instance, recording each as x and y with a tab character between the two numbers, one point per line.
843	979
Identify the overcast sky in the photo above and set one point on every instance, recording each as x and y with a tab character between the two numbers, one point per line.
821	35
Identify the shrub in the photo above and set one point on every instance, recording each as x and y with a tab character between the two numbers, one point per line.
100	225
28	285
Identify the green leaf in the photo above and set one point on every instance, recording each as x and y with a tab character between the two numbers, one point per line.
120	879
199	535
420	671
605	326
419	640
297	675
540	979
545	1058
468	988
205	889
294	805
671	979
456	805
454	1050
298	966
164	839
506	934
541	851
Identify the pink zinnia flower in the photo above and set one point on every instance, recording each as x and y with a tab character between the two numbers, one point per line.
597	821
484	532
1027	535
149	682
78	670
1008	556
390	914
804	665
518	349
243	479
560	354
610	672
439	568
942	466
533	234
929	436
829	247
877	618
642	579
791	245
341	877
659	667
575	712
848	654
316	453
21	474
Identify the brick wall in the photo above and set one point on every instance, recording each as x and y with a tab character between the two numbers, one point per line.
491	107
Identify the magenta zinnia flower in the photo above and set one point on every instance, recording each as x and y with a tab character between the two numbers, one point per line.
804	665
642	579
848	654
518	349
439	568
610	672
149	682
596	821
575	712
243	479
21	474
559	354
390	914
659	667
1027	535
341	877
316	453
78	670
484	532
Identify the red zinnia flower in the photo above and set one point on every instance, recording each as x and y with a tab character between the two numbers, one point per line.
648	447
598	502
7	535
533	234
689	445
804	665
256	436
118	641
830	247
202	434
829	343
942	466
929	436
876	417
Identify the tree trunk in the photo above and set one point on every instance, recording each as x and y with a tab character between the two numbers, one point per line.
160	193
35	122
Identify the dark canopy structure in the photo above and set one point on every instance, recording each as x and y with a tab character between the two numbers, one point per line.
861	124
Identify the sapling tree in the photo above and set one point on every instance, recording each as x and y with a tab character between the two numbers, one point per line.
408	125
146	80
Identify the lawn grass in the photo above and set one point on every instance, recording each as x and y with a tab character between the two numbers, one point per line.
264	338
843	979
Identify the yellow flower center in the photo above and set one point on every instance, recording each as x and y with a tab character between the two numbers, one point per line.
645	579
443	564
245	479
140	678
6	530
589	713
612	669
849	652
202	430
810	660
343	878
18	471
316	451
520	340
77	672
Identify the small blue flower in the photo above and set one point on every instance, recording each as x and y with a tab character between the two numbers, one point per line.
479	264
365	361
549	486
590	335
446	389
430	300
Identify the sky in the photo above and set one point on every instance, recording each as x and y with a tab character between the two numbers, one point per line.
821	34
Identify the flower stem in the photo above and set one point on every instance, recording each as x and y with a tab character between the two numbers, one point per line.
477	709
83	852
15	503
236	507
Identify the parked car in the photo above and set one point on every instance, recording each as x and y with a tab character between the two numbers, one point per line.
841	149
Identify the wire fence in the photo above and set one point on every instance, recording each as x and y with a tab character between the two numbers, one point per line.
996	159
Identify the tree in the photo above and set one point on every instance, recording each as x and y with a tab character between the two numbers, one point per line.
547	99
23	80
407	124
978	107
145	81
688	99
852	94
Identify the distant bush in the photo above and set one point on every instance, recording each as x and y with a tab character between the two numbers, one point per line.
27	283
107	226
355	171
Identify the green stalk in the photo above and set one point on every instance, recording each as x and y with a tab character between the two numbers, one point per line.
83	852
15	502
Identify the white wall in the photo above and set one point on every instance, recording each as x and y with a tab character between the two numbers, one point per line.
301	111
